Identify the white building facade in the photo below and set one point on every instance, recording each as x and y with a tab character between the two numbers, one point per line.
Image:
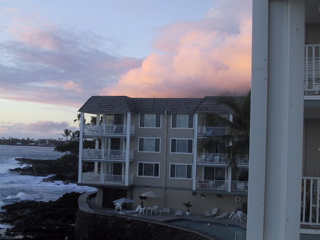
284	150
136	145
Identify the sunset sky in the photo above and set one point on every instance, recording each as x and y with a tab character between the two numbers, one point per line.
56	54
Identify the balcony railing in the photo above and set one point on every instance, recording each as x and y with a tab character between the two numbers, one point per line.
243	161
211	131
107	129
218	185
219	159
237	186
222	185
212	158
312	70
310	205
106	154
99	178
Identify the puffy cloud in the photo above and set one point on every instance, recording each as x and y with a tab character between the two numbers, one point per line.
196	59
42	62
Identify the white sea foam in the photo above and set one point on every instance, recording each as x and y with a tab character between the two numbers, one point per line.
15	187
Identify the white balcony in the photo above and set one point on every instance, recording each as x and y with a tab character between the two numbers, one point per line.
212	159
310	204
217	185
239	186
113	130
242	162
312	70
106	179
106	155
222	185
211	131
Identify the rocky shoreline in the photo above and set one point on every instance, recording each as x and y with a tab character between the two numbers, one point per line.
53	220
44	168
42	220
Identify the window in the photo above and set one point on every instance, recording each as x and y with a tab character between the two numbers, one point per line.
182	121
181	145
149	144
150	120
214	173
180	171
148	169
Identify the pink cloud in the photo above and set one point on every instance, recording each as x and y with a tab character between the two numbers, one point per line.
195	59
38	38
71	85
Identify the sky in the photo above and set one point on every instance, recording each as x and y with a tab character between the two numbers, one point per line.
57	54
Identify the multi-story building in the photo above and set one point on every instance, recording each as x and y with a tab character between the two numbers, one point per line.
144	144
284	193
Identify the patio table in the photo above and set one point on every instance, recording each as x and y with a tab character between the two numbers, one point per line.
151	210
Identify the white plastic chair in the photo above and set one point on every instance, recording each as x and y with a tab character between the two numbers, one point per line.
118	206
142	210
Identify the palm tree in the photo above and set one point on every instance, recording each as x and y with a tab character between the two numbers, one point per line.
66	133
78	118
238	132
75	136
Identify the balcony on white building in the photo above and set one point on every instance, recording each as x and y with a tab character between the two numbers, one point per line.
106	155
212	159
211	131
105	179
312	70
109	130
310	204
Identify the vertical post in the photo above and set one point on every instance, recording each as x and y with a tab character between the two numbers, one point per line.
97	145
276	120
195	151
127	149
80	147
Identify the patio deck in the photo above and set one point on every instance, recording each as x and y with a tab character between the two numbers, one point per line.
161	218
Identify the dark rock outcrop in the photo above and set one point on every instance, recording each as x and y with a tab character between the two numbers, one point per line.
36	167
52	220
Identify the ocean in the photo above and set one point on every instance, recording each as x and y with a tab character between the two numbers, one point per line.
16	188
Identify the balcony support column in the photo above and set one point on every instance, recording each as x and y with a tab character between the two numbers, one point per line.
126	180
96	143
80	147
195	152
229	181
274	199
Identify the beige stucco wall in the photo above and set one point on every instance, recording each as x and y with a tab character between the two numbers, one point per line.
174	199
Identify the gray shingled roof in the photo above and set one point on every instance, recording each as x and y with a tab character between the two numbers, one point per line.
210	105
108	104
171	105
123	104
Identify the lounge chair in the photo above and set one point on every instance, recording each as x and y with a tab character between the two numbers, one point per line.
134	211
211	214
178	213
222	215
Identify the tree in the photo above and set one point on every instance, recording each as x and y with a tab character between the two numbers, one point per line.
78	118
66	133
75	136
238	132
